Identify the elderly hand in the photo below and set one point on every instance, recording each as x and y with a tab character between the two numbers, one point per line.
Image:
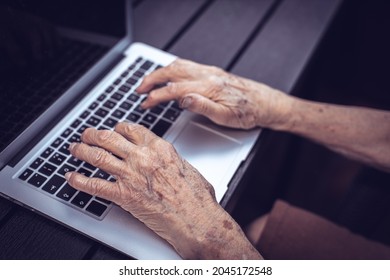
226	99
161	189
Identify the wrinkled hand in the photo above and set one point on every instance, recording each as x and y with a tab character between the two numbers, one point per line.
224	98
158	187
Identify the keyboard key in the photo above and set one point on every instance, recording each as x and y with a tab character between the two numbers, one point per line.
139	109
66	133
103	200
57	159
65	149
131	81
66	168
81	199
37	180
102	97
89	166
124	74
85	114
146	65
171	115
24	176
57	142
126	105
93	121
161	127
93	106
149	118
101	113
36	163
109	89
74	161
101	174
84	172
75	124
75	138
110	122
133	97
147	125
117	96
118	114
47	169
47	152
109	104
117	82
53	185
96	208
138	74
124	88
66	192
133	117
82	128
157	110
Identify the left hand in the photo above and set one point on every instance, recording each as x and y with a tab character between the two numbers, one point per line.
157	186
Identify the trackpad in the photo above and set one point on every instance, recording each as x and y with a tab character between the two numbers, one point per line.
211	152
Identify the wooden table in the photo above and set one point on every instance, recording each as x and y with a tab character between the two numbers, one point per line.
271	41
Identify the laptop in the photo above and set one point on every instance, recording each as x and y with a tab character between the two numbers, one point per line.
75	69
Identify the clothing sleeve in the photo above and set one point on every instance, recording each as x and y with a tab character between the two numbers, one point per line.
293	233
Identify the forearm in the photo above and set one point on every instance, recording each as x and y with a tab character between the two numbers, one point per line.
359	133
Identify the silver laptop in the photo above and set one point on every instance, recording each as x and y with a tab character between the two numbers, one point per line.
88	80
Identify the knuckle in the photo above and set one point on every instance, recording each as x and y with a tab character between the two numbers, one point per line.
172	88
100	158
104	136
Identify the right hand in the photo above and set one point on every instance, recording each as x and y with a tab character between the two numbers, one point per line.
224	98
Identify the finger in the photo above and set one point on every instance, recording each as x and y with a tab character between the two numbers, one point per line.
98	157
135	133
94	186
174	91
204	106
157	77
108	140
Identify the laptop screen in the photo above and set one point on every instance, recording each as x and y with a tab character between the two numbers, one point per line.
45	46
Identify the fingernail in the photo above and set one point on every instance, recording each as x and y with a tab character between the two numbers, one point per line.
68	175
186	102
71	146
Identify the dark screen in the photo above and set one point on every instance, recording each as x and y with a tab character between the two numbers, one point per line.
38	63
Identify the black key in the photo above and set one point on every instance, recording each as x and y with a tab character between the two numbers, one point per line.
118	114
133	117
54	184
131	81
149	118
161	127
66	168
75	138
47	169
93	106
66	133
145	124
96	208
138	74
93	121
75	124
36	163
24	176
85	114
84	172
171	115
57	159
37	180
139	59
124	88
101	113
176	106
110	122
126	105
117	82
81	199
124	74
109	89
66	192
157	110
65	149
117	96
57	142
139	109
47	152
109	104
82	128
102	97
103	200
133	97
89	166
101	174
74	161
146	65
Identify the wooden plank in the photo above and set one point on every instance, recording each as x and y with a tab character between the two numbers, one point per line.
5	208
221	31
157	22
280	52
27	235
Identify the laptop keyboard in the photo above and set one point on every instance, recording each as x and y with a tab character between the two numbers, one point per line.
117	103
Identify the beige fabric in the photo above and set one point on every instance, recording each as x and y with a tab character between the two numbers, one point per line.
293	233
